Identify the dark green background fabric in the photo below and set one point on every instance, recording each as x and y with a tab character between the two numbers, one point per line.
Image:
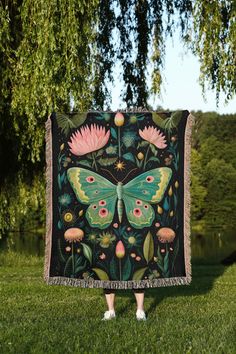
80	260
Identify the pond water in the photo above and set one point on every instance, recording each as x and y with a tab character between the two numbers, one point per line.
210	247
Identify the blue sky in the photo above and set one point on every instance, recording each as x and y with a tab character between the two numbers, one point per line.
180	88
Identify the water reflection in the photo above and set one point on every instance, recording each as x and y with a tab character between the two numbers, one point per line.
209	247
29	243
212	246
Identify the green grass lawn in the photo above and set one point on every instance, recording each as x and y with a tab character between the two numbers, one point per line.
37	318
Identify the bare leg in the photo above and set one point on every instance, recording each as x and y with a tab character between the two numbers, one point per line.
139	300
110	299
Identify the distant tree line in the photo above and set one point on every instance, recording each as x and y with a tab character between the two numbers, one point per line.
213	179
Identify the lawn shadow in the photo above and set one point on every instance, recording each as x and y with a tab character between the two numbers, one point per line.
203	278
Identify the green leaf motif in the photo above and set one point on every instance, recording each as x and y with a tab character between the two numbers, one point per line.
143	144
59	225
101	274
126	269
113	269
138	162
160	258
153	158
138	275
175	200
107	161
153	149
168	123
66	123
173	120
87	252
68	267
79	118
59	180
62	178
166	262
129	156
79	266
113	133
148	247
99	152
157	119
166	204
176	250
60	251
84	163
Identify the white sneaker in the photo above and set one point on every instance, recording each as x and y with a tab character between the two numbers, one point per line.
108	315
140	315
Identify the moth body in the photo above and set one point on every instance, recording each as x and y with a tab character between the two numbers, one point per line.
119	190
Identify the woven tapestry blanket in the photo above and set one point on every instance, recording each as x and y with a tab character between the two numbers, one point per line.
118	199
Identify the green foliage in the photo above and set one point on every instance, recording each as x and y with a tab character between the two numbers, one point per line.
213	40
22	204
221	191
213	177
198	191
46	59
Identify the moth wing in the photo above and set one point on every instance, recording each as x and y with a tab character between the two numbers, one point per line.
100	213
150	186
89	186
139	213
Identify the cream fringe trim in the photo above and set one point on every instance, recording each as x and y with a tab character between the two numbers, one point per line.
116	284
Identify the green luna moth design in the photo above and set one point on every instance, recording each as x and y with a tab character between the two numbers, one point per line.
136	196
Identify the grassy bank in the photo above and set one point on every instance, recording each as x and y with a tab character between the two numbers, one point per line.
36	318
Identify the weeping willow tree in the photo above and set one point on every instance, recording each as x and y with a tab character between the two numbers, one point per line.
58	52
46	51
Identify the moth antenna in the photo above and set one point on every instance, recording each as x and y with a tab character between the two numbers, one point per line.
110	174
129	173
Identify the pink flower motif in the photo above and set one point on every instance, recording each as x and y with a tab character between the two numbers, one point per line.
115	225
102	202
88	139
120	250
153	136
102	256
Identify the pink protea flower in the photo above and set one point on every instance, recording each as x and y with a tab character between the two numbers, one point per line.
153	136
88	139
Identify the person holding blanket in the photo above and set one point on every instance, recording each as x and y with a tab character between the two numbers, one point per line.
110	299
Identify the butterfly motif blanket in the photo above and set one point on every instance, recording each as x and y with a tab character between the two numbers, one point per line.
118	199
